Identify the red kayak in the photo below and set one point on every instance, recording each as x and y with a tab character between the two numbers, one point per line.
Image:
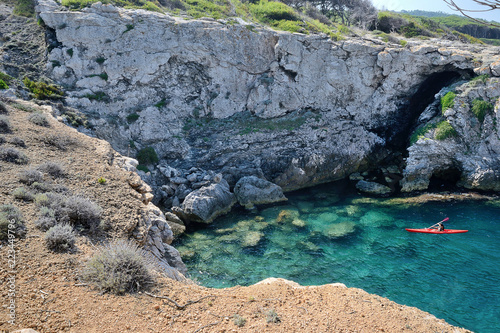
435	231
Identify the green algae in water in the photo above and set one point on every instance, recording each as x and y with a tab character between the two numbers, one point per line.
362	243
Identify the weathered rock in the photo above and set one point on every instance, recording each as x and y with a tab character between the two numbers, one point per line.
341	229
252	191
472	154
208	202
300	110
372	188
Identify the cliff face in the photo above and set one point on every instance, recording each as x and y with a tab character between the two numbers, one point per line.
241	100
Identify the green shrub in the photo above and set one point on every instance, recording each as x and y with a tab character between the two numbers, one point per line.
42	90
482	78
6	78
271	11
21	193
101	180
132	117
144	168
70	52
3	85
161	103
24	8
147	156
42	200
60	238
447	101
11	219
13	155
444	130
480	108
5	124
119	268
39	119
98	96
75	118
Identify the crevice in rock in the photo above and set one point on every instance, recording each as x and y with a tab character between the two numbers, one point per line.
424	96
445	179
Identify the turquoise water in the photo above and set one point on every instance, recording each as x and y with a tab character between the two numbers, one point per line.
330	234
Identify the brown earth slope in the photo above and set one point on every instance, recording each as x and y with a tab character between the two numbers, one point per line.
49	296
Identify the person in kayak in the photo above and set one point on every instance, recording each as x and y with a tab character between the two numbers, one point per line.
440	226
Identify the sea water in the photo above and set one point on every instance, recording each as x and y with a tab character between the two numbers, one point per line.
331	234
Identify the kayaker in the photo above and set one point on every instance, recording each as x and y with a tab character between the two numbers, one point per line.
440	226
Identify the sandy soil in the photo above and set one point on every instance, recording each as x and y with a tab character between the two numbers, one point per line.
50	297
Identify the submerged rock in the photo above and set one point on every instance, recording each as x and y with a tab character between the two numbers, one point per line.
372	188
252	238
252	191
341	229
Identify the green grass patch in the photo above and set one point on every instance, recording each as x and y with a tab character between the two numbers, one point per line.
99	96
147	156
447	101
444	130
203	8
6	78
3	85
42	90
482	78
132	117
271	12
480	108
420	132
161	103
24	8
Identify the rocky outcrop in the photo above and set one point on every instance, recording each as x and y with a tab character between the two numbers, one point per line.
251	191
206	203
472	150
153	230
298	110
372	188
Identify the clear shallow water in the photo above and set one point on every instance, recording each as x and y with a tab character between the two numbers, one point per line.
329	234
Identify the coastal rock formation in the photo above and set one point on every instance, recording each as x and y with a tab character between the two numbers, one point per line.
297	109
252	191
206	203
470	154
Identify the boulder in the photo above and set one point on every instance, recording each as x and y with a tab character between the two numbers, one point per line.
208	202
252	191
372	188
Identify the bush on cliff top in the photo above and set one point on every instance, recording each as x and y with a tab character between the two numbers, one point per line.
119	268
444	130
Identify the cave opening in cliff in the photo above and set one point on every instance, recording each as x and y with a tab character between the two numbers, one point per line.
416	104
445	179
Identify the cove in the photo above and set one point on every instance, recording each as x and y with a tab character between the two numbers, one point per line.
330	234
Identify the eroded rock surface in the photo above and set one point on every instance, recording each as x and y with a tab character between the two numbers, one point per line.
299	110
251	191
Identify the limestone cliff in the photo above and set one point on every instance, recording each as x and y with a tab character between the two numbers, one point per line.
244	100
